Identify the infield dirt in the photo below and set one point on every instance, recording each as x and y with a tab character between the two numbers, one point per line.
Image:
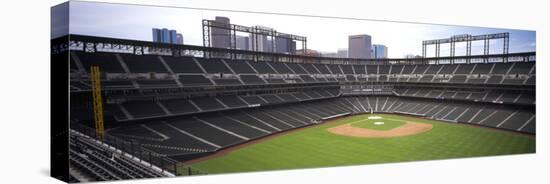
410	128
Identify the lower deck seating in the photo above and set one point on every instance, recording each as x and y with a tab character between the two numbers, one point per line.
251	79
223	82
194	80
157	83
208	103
216	130
179	106
497	96
94	162
232	101
174	105
140	109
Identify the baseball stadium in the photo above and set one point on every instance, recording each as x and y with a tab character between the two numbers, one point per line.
142	109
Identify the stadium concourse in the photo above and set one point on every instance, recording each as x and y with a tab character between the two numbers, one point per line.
185	107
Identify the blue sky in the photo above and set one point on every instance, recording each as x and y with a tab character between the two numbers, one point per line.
323	34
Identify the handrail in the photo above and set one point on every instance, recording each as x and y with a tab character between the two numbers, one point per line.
104	44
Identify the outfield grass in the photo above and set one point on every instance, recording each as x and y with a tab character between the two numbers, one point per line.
370	124
315	147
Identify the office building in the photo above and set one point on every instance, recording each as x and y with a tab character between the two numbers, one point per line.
285	45
165	36
262	43
359	46
179	38
243	42
379	51
220	35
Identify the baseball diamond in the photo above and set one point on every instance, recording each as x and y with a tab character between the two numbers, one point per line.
317	146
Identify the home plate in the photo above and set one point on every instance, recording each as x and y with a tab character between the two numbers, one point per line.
378	123
374	117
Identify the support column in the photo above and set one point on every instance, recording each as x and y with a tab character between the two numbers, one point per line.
486	43
437	49
453	46
233	41
273	41
505	47
424	49
452	54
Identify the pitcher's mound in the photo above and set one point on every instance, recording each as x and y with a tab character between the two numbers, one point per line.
374	117
409	128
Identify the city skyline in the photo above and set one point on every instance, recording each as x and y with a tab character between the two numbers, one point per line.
324	35
166	35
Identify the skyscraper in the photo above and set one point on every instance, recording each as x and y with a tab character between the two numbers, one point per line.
293	47
157	35
285	45
221	37
243	43
261	42
166	36
179	38
379	51
359	46
267	44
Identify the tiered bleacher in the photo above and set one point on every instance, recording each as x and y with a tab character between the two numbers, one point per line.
92	161
200	72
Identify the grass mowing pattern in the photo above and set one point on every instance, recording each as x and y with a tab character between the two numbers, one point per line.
369	123
316	147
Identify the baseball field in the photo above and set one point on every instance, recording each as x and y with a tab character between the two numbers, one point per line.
367	139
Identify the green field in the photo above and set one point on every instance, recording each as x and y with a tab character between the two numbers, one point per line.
370	124
316	147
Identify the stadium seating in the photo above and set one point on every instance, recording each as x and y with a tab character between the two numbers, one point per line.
141	109
252	79
464	69
194	80
233	126
322	68
241	67
232	101
208	104
521	68
106	61
263	67
297	68
518	73
157	83
94	162
143	63
179	106
182	65
227	81
214	66
114	84
347	69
